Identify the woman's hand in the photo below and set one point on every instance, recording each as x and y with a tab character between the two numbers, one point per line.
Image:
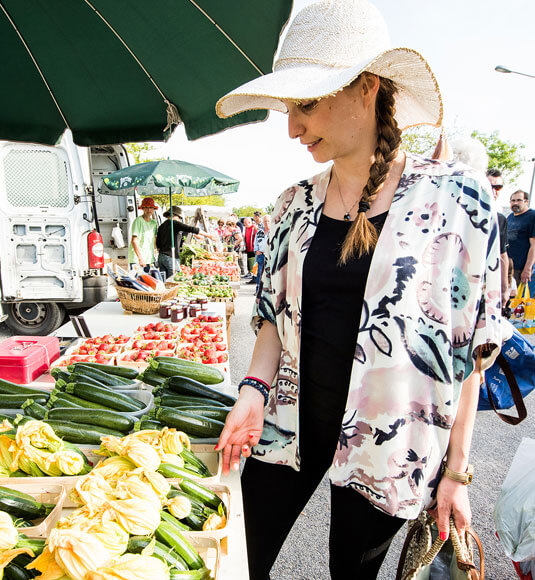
243	428
452	499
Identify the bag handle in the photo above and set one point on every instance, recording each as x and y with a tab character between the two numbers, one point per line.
515	392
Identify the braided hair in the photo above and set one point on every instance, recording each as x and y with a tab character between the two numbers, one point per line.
362	235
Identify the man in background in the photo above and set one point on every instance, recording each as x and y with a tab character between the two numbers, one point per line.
144	228
521	238
261	245
249	236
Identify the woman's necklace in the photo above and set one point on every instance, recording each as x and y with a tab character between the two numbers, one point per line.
347	215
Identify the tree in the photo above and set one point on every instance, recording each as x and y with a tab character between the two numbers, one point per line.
503	155
246	210
420	140
162	199
139	152
269	208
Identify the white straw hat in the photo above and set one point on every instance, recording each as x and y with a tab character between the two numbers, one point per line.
328	45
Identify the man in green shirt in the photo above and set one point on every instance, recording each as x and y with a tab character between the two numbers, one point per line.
144	228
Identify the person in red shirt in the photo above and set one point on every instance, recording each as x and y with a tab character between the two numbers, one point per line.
249	235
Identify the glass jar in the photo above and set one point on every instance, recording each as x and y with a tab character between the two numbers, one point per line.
165	309
203	301
177	314
194	310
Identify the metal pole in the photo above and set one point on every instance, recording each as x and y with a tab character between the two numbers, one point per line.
172	235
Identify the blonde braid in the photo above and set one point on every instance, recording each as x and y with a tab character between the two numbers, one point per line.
362	235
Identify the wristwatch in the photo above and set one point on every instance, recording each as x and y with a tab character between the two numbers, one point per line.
464	478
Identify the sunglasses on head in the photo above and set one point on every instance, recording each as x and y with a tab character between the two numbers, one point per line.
497	186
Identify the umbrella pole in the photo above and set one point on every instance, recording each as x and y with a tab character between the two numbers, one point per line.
172	234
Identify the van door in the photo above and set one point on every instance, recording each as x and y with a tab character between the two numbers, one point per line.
40	224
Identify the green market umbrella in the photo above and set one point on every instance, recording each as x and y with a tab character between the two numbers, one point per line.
168	176
115	71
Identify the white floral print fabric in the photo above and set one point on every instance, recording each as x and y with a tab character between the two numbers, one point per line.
432	297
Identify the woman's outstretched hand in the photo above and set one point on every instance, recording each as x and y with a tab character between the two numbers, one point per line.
452	499
243	428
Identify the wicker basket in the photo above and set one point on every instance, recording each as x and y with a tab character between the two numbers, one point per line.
144	302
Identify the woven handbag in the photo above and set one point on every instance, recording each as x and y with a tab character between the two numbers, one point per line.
419	561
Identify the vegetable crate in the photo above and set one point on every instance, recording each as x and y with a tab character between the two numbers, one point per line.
144	302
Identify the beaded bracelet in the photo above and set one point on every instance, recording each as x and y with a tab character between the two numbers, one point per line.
261	386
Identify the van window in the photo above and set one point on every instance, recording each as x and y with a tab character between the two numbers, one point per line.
36	178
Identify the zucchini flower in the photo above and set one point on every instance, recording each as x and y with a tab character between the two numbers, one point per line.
179	506
142	454
113	537
38	434
77	552
82	518
159	484
114	467
132	567
8	532
92	490
110	443
185	440
171	441
68	461
171	458
133	488
6	457
149	436
34	461
214	522
7	555
5	426
139	517
47	565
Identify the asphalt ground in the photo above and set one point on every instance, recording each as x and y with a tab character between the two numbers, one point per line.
305	553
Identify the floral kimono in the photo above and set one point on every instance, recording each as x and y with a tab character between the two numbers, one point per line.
432	296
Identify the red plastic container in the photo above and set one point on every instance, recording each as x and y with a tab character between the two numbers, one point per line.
24	358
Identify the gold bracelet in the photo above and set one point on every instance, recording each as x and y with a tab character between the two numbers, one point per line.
464	478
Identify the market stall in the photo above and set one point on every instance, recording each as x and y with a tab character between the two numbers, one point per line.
114	334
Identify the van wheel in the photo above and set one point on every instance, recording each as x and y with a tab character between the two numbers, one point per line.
34	318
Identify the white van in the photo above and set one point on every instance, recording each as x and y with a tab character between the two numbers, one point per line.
55	229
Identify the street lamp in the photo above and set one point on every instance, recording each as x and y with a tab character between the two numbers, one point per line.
503	69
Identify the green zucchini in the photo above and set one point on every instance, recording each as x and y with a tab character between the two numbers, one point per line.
105	378
104	396
98	418
34	409
20	523
60	373
201	493
7	388
62	397
172	471
125	372
170	367
151	377
22	505
16	401
190	423
200	574
190	458
171	399
188	387
195	521
169	535
78	433
146	422
170	519
219	413
80	378
14	571
136	544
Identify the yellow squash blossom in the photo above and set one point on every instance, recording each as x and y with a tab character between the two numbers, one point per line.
7	555
132	567
47	565
170	458
179	506
148	436
159	484
38	434
142	454
114	467
68	461
78	552
8	532
92	490
5	426
214	522
138	517
171	441
111	535
133	488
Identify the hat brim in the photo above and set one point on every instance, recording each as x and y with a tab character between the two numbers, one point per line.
147	207
418	101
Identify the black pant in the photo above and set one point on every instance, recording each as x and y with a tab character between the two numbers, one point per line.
275	495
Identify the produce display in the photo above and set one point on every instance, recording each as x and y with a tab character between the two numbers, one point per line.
17	551
209	268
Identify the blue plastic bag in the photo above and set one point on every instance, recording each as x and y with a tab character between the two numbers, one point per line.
520	356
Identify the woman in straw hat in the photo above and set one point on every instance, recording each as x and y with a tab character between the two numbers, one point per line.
381	286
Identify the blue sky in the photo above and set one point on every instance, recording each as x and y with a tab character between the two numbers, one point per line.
463	40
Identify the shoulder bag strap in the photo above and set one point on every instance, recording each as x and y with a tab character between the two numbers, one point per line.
515	392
